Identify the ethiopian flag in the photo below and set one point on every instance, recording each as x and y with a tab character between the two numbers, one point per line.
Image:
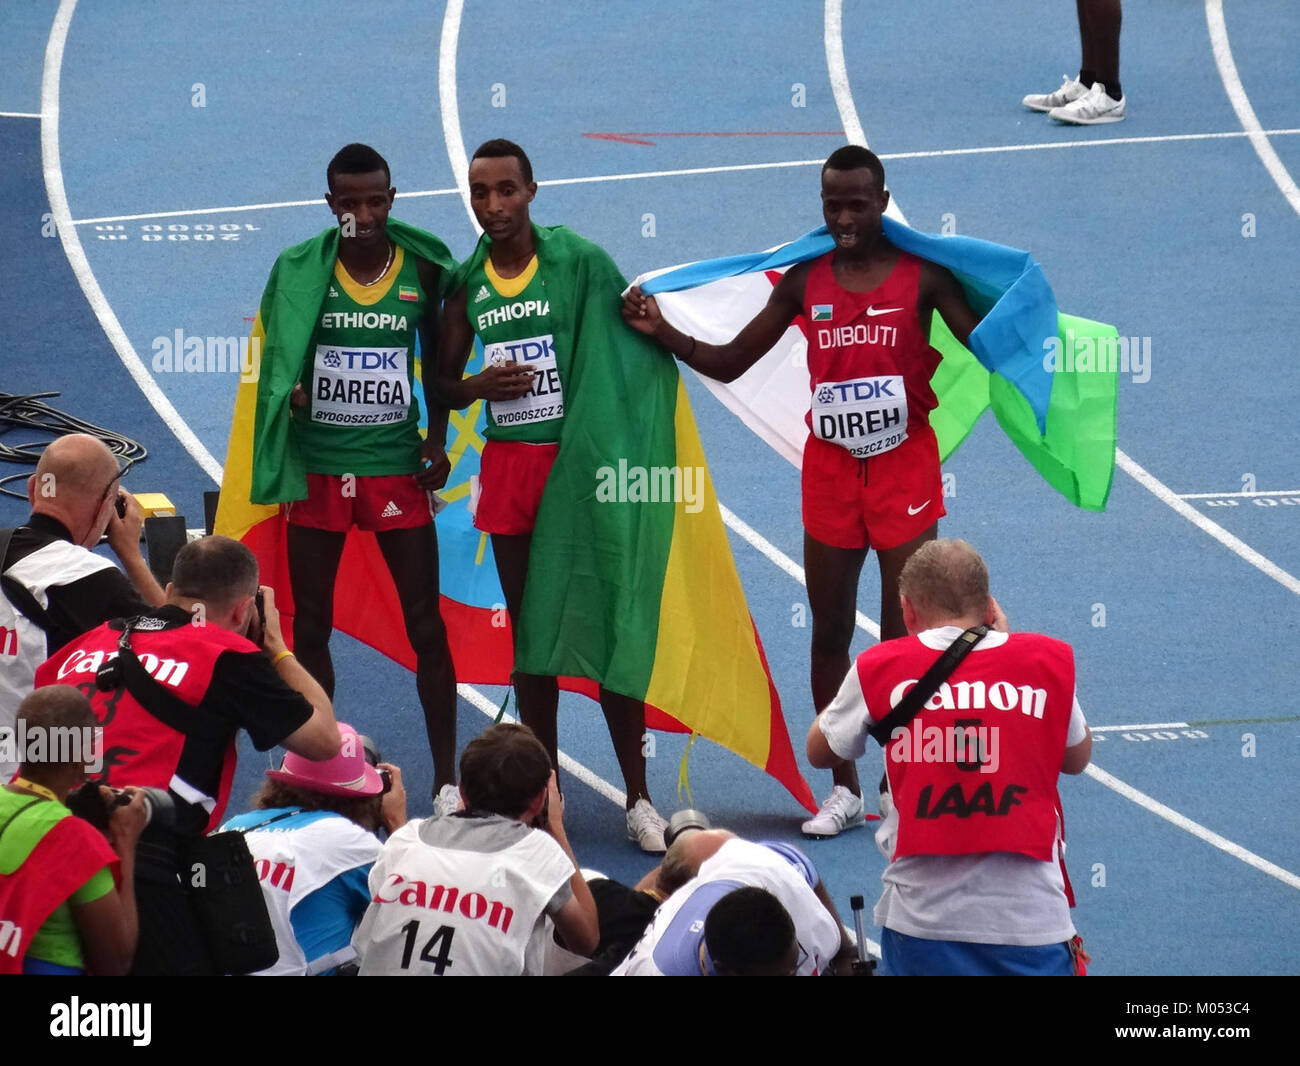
631	582
638	594
263	470
1050	378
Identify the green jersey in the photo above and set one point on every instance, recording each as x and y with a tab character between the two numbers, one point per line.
364	418
511	316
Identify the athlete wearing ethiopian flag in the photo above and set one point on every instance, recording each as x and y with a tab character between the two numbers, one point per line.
505	300
355	431
871	464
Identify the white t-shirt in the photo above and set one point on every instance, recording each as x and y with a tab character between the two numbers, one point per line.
988	898
461	896
670	944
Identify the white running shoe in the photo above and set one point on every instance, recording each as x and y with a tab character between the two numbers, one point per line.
447	801
1071	89
842	810
1093	109
646	827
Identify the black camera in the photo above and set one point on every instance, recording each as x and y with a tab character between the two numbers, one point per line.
370	750
88	803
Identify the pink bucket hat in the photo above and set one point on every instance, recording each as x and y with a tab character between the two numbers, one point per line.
347	774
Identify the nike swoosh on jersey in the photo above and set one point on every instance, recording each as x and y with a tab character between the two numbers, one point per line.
917	510
873	311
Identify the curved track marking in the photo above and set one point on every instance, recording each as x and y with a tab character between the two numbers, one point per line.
853	127
53	172
449	105
1241	103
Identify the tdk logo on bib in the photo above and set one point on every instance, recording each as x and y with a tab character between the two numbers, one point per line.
365	359
866	416
546	399
526	351
862	389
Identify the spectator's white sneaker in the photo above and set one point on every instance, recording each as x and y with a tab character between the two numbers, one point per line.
1091	110
646	827
447	801
842	810
1071	89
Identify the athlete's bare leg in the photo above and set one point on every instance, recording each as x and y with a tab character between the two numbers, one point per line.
412	558
313	565
538	696
832	575
1099	27
891	566
625	718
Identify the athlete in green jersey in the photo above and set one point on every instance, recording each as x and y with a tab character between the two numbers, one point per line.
356	424
505	302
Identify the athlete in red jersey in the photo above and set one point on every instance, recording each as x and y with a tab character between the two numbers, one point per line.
871	466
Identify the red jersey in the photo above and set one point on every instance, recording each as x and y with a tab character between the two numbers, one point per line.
976	769
139	749
869	362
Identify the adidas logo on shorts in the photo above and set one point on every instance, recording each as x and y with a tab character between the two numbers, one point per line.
483	294
391	511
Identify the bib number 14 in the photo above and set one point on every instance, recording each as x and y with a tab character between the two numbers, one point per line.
437	950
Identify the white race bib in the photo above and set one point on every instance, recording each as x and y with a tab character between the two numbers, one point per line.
865	416
546	400
360	386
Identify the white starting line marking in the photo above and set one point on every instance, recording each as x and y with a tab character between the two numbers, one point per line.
1237	495
1132	728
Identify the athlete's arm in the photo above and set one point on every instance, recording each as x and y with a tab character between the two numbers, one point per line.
432	450
723	362
505	382
940	292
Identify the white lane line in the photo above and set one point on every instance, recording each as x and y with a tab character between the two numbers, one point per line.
231	209
19	114
1238	495
54	189
1195	828
1241	103
1041	146
1127	728
568	764
1207	525
775	555
450	107
849	118
690	171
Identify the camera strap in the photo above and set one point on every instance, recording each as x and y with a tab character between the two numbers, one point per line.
14	817
910	705
168	708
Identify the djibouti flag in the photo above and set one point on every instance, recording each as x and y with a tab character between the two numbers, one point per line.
1059	416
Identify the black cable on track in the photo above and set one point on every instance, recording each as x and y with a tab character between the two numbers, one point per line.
29	412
